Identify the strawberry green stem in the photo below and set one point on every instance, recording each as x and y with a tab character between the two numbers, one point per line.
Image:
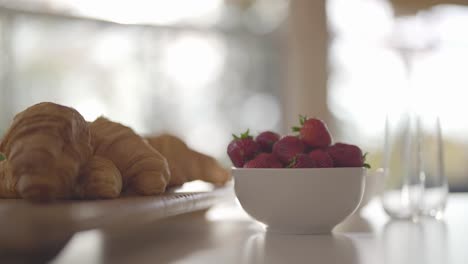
302	119
365	165
242	135
292	163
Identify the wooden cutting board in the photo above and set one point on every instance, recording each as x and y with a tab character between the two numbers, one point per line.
27	226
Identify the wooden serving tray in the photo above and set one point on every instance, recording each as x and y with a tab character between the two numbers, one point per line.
24	225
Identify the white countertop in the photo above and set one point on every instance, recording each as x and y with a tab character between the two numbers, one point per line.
225	234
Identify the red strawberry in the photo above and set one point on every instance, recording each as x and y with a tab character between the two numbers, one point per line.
242	149
264	160
345	155
301	161
287	148
266	140
313	132
307	148
321	159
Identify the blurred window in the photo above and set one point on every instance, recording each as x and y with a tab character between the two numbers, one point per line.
375	56
201	71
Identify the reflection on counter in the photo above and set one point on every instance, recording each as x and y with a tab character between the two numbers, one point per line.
424	241
354	224
281	248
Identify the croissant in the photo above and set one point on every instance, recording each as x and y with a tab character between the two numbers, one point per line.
7	181
186	164
46	146
144	170
100	179
52	153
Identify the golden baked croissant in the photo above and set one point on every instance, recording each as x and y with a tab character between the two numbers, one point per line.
99	179
7	181
46	146
186	164
52	153
144	170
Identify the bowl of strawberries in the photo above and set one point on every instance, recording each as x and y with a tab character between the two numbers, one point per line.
297	184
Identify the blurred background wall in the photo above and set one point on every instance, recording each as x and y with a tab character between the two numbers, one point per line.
206	69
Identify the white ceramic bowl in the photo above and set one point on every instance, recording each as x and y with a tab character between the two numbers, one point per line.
299	201
374	181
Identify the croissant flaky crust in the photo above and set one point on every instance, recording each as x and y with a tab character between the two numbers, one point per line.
187	164
46	146
99	179
144	170
7	181
53	153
